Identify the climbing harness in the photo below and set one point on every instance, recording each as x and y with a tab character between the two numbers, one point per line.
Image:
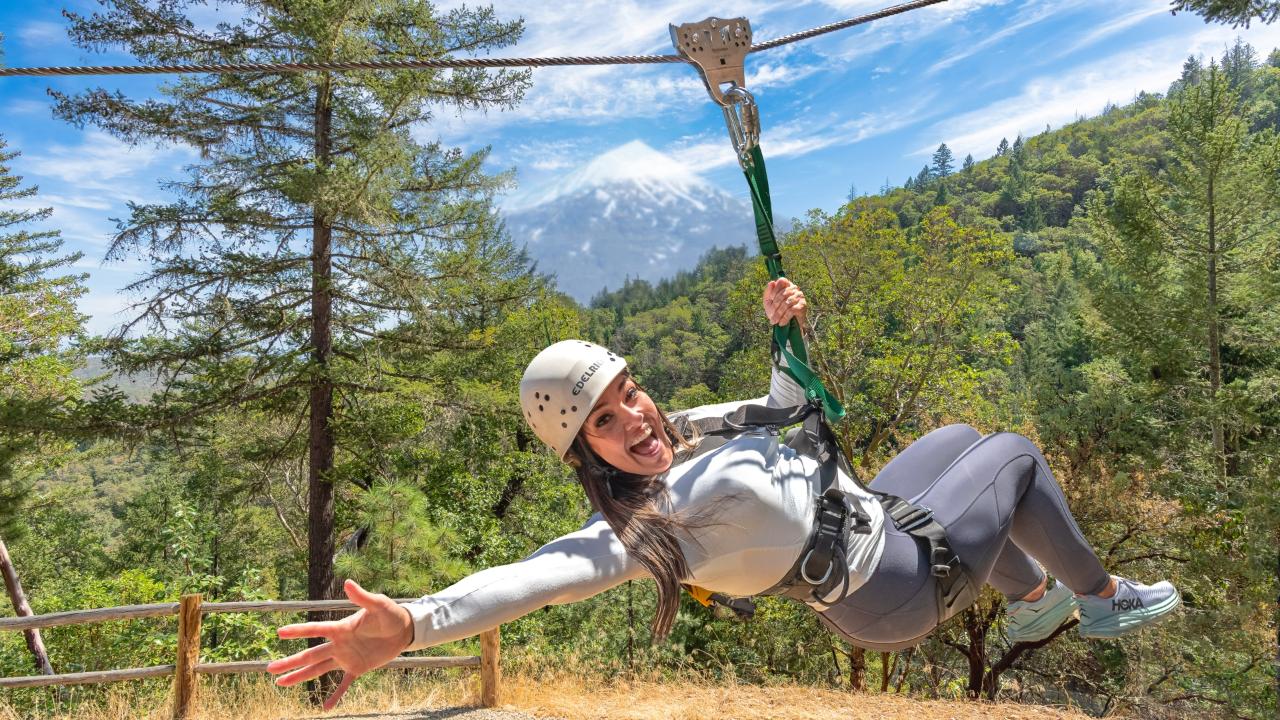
821	567
718	49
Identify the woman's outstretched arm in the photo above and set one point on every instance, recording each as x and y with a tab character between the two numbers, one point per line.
570	568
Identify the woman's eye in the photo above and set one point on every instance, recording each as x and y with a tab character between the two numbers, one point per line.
602	420
632	392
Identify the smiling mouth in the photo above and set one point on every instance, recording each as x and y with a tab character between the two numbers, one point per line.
649	446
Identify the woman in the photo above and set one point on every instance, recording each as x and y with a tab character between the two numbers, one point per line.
735	519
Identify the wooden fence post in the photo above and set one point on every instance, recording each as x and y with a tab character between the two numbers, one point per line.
490	672
184	674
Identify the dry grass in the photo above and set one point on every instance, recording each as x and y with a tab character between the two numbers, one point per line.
393	695
574	699
257	698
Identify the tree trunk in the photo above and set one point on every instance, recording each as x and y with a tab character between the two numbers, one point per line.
20	606
886	669
857	669
1215	345
977	655
991	684
906	667
320	539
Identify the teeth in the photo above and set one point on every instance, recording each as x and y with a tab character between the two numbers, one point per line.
648	431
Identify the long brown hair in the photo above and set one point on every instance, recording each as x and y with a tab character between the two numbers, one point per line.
637	507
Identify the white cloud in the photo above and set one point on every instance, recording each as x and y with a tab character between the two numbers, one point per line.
1029	15
800	137
82	201
1085	90
40	32
601	94
25	107
1123	22
106	310
909	28
101	162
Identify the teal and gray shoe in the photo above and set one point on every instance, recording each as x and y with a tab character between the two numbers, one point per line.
1032	621
1132	607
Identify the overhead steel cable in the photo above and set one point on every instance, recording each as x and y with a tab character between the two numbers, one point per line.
445	63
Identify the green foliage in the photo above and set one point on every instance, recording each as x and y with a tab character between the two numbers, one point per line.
905	322
1236	13
318	243
37	318
404	552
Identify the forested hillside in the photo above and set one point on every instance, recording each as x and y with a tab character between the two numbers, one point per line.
1109	289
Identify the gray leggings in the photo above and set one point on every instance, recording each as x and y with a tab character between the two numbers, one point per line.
1001	507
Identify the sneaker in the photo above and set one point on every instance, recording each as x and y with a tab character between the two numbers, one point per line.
1132	607
1032	621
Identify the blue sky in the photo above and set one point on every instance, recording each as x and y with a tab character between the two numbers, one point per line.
854	108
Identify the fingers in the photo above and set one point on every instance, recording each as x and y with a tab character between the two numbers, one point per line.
332	700
359	595
309	672
783	301
309	630
300	659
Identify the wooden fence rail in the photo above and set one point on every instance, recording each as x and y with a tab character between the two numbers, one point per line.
188	667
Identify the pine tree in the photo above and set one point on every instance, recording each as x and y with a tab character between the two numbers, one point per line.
924	177
37	318
1236	13
1188	292
968	163
1192	69
1238	65
317	237
943	161
1003	148
941	197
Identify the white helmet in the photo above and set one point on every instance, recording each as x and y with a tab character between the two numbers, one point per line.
560	387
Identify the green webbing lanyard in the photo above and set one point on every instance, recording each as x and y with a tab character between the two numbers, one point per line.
789	340
718	49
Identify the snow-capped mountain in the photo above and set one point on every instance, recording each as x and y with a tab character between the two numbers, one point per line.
631	212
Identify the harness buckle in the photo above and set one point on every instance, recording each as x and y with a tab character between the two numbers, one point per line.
941	558
804	571
918	516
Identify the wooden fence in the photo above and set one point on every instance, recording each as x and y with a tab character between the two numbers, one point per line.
187	667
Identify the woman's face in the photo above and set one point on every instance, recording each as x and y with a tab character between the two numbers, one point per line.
624	430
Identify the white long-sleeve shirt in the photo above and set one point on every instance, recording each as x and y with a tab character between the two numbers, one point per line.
760	497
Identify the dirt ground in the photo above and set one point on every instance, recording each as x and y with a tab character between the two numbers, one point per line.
651	701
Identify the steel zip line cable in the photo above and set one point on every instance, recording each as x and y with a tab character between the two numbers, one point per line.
445	63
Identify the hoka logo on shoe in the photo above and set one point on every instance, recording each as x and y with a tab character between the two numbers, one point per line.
1126	604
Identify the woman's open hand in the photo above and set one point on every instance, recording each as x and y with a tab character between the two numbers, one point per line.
370	638
784	300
